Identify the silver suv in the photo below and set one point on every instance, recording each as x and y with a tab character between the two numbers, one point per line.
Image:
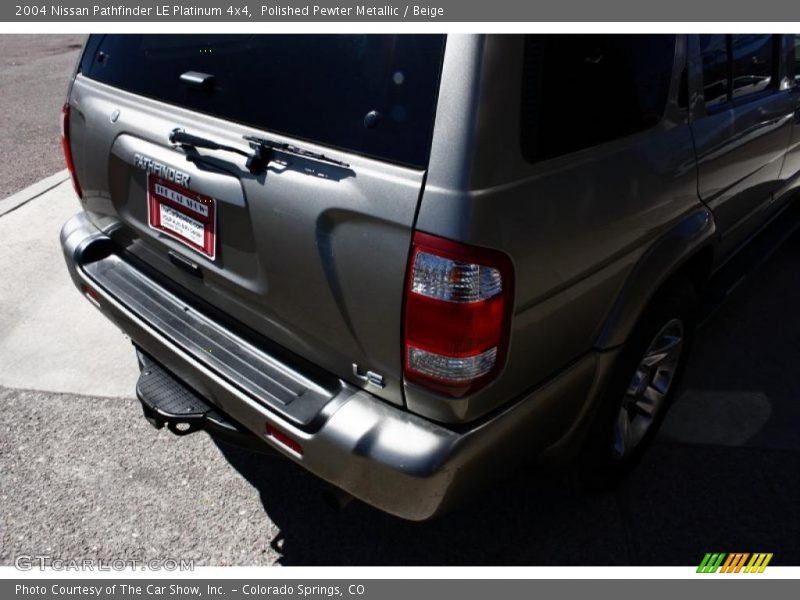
408	262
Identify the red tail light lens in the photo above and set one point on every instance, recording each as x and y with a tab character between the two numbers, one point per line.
458	309
65	145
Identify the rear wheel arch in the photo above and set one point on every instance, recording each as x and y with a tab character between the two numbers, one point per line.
697	269
685	252
603	458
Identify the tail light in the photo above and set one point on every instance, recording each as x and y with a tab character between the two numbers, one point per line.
65	145
458	312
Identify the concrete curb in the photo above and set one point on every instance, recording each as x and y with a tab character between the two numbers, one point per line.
14	201
51	339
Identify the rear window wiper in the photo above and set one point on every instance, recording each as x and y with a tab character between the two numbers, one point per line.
270	145
258	159
187	140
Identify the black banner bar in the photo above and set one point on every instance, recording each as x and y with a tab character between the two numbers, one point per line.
434	11
704	586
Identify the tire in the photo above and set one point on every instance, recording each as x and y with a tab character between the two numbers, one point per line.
640	388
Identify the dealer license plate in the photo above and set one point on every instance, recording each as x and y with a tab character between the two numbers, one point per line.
182	214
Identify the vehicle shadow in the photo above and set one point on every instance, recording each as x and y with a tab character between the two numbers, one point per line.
683	501
722	475
524	520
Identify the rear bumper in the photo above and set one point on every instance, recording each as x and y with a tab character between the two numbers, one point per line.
381	454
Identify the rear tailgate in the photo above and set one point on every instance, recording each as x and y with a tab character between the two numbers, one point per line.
309	254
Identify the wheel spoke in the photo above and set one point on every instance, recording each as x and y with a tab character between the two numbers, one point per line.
667	348
637	383
652	396
646	406
622	433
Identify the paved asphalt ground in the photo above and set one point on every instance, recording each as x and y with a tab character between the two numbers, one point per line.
83	475
34	70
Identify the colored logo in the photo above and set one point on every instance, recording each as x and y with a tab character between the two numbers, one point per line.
743	562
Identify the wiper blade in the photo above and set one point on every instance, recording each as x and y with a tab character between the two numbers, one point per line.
255	160
258	159
181	138
265	144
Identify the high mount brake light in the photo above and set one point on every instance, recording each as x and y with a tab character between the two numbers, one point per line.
457	317
65	145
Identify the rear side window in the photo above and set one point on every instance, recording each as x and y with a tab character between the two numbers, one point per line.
315	87
737	67
714	50
794	58
753	63
583	90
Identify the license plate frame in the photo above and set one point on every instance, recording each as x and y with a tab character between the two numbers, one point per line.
183	215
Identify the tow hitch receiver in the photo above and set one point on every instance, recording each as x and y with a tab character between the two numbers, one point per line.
166	401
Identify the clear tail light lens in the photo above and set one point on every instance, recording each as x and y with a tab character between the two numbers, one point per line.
65	146
451	368
458	308
454	281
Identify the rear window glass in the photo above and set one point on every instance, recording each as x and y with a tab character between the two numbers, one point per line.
583	90
314	87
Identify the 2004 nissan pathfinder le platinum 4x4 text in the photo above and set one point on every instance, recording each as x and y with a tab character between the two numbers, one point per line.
407	262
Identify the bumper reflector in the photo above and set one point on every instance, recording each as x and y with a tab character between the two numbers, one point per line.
283	439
